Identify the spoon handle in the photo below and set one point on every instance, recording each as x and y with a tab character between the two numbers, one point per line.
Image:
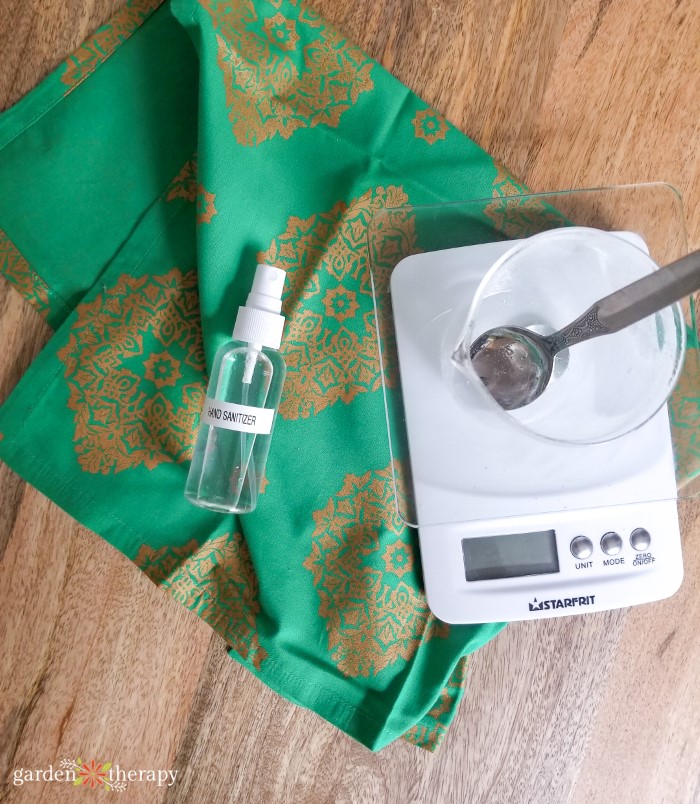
651	293
632	303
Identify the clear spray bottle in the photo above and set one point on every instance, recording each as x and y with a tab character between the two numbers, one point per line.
241	404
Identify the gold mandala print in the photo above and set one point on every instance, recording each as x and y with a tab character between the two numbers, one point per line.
430	126
134	364
374	612
684	409
519	217
217	581
205	205
106	40
330	344
20	275
283	73
185	185
431	729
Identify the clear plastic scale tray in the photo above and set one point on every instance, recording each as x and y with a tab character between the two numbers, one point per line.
455	464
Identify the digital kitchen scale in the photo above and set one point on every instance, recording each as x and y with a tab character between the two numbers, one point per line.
512	526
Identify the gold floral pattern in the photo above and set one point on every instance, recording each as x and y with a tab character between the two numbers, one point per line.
162	369
518	217
330	346
431	729
281	32
106	40
184	185
20	275
340	303
393	237
684	409
205	205
456	682
398	559
428	737
217	581
374	617
430	126
134	364
282	74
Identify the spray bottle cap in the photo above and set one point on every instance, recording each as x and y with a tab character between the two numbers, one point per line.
260	321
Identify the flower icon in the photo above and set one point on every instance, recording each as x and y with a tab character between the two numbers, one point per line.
398	559
162	369
93	774
340	303
430	126
281	32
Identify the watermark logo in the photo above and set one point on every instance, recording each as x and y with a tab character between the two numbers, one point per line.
94	774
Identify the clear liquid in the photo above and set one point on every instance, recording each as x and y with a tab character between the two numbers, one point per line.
228	465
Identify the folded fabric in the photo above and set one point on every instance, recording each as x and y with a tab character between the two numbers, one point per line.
146	178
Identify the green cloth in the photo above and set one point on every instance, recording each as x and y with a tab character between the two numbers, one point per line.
147	176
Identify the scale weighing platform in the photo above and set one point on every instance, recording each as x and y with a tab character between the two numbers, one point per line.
511	526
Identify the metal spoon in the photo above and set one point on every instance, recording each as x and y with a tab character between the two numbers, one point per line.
515	364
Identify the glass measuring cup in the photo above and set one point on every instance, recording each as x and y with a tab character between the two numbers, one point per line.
600	389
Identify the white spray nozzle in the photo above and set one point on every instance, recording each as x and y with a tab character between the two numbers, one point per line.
266	293
260	322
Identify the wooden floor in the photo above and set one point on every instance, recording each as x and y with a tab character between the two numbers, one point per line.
601	708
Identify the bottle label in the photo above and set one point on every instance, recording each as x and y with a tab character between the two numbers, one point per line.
245	418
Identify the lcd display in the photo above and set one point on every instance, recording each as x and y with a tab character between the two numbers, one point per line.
511	555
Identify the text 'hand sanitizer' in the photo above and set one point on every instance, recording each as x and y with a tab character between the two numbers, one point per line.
241	404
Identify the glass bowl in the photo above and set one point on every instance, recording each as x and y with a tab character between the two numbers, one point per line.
603	388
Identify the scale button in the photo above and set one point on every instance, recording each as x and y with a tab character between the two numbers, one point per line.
640	539
611	543
581	547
